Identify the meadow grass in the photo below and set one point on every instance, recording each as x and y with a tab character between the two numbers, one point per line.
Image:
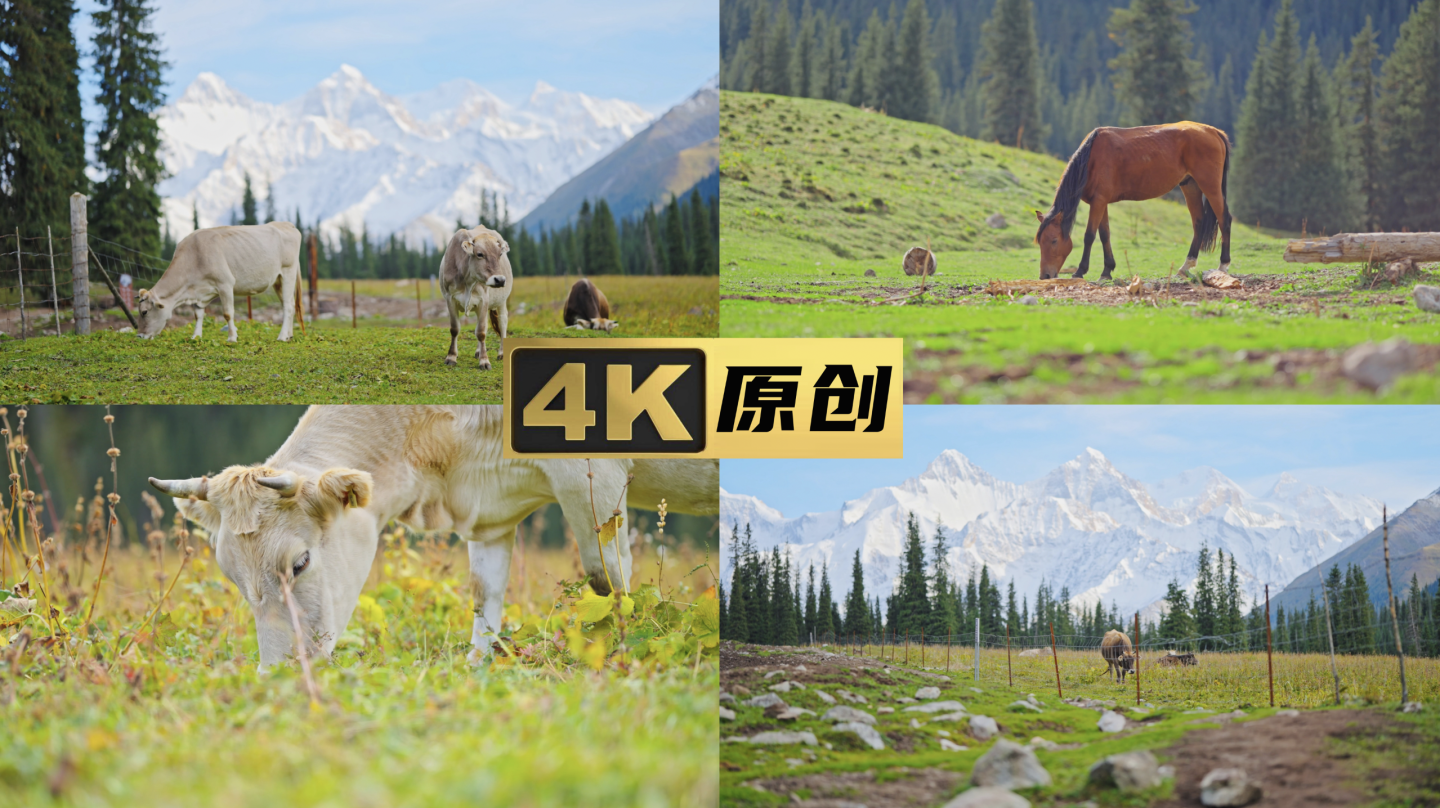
1174	701
384	361
800	228
155	698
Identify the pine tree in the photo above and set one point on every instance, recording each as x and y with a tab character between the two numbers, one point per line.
42	134
269	201
857	608
677	258
810	620
1321	179
803	57
603	242
825	625
1011	66
776	70
195	216
1177	626
724	627
1409	113
1358	126
942	616
830	67
865	84
916	87
1204	598
1222	106
913	600
1265	163
1155	76
247	204
739	622
127	56
705	260
786	631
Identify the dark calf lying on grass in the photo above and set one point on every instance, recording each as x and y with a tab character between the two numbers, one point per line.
586	307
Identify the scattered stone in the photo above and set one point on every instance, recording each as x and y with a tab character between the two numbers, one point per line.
777	710
802	668
904	700
1031	698
807	738
783	687
849	714
950	717
983	727
1228	787
1009	765
792	713
1427	298
1377	366
942	733
884	710
742	690
1029	300
927	693
852	697
1412	707
1128	771
1289	713
1089	704
1041	743
773	673
951	746
766	700
727	714
1025	705
1111	721
825	697
936	707
1167	772
867	733
995	220
726	698
869	273
976	690
988	798
795	762
1197	710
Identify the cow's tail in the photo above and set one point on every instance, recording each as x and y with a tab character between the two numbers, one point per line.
299	309
1209	225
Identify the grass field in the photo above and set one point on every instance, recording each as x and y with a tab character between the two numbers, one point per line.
180	717
385	360
1394	766
816	194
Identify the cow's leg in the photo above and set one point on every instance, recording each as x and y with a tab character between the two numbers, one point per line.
1195	201
199	320
500	319
480	352
286	287
1097	214
227	304
1105	244
489	572
572	491
453	306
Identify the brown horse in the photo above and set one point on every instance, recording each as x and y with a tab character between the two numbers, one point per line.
1130	165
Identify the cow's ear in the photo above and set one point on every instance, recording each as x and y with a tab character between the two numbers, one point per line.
344	488
201	513
504	245
468	246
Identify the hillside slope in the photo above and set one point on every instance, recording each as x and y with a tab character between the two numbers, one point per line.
667	159
865	185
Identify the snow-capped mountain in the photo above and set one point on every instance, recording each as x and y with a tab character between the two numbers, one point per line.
349	154
1085	525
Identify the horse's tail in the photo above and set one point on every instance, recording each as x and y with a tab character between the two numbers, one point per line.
1209	224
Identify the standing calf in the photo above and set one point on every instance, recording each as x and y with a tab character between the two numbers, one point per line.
475	274
586	307
1119	657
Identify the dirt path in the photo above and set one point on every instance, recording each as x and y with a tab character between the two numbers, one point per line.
1291	756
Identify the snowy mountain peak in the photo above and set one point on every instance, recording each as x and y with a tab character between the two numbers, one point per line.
208	88
952	465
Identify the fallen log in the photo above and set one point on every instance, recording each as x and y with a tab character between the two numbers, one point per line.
1005	287
1360	248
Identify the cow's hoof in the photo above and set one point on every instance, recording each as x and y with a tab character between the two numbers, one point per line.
450	360
485	365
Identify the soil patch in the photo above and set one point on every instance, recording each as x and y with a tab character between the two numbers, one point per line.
1291	756
911	789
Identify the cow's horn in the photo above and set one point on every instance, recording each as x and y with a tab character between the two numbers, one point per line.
197	487
286	483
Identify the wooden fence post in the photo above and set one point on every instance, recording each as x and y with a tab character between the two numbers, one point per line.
314	281
419	312
1389	587
1009	670
20	276
1137	659
352	304
1269	652
977	649
250	312
79	265
948	640
50	240
1058	690
1330	634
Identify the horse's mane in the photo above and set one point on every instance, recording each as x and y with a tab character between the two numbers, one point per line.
1072	185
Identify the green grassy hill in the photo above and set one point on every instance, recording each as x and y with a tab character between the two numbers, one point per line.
864	185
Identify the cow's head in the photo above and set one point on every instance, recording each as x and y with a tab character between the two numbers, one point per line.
269	524
151	313
485	248
1055	244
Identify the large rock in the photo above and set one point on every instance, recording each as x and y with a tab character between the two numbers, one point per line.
1428	298
867	733
766	700
1009	765
843	713
983	727
727	714
926	693
937	707
1111	721
807	738
1228	787
987	797
1128	771
1377	366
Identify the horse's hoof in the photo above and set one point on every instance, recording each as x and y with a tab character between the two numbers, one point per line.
485	365
450	360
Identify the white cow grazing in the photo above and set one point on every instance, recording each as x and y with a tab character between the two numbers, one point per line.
475	274
315	509
225	262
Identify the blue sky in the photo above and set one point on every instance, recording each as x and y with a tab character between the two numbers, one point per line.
652	52
1389	453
